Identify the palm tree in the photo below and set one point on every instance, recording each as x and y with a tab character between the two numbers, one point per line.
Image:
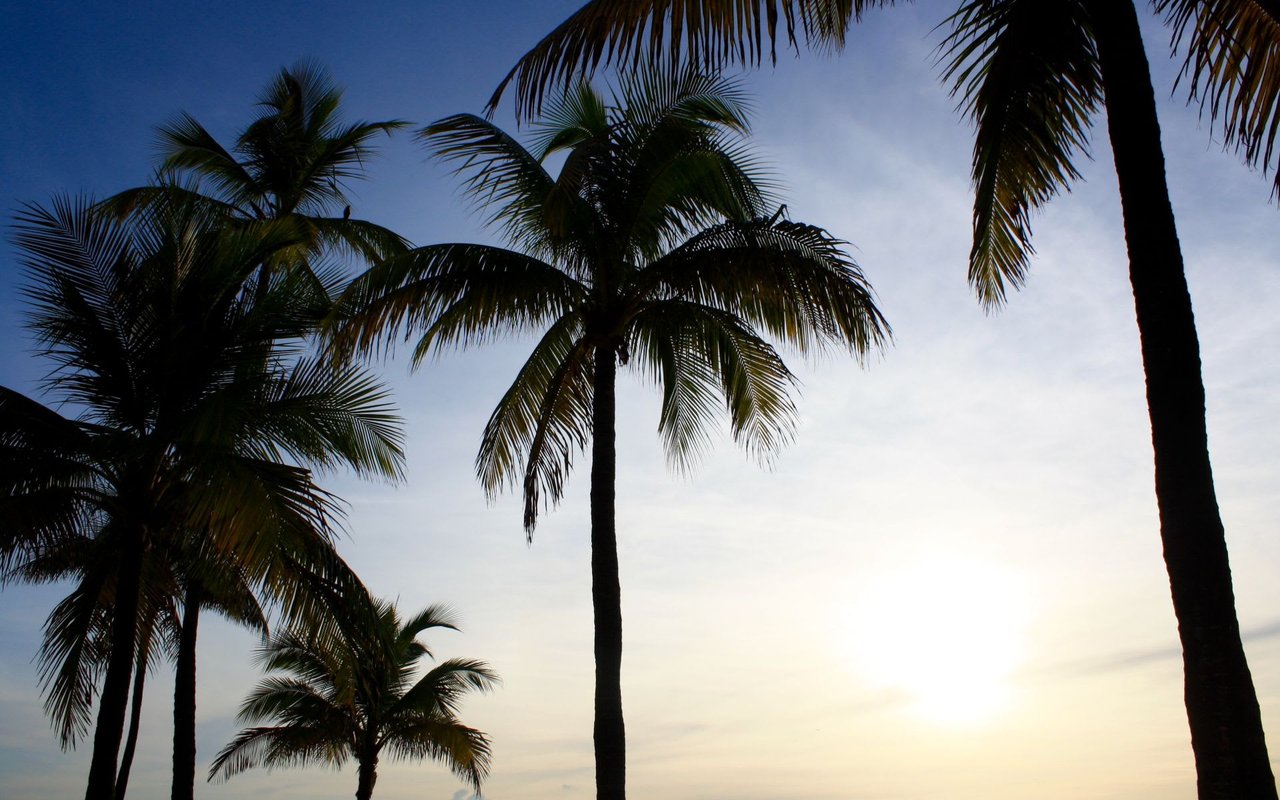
351	693
292	163
1033	74
651	248
196	412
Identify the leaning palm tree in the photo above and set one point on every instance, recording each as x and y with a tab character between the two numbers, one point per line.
653	247
1033	74
351	693
197	412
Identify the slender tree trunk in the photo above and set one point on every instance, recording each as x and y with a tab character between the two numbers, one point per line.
135	721
114	701
184	698
1222	707
606	595
367	777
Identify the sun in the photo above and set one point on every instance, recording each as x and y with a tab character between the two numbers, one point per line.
946	632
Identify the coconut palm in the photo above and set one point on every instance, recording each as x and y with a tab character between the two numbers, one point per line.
351	693
1033	74
293	161
653	247
196	413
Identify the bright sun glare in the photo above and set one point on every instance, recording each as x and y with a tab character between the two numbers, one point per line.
946	632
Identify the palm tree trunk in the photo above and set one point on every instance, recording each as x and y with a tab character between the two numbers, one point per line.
184	699
135	721
1222	707
367	777
606	595
114	701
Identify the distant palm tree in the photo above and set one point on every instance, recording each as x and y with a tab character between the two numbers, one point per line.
195	409
1033	74
652	247
351	693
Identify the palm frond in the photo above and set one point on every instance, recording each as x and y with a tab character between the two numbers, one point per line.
1026	72
280	746
324	414
456	294
51	489
707	359
440	691
1232	64
793	281
466	751
541	421
188	146
708	33
498	173
72	657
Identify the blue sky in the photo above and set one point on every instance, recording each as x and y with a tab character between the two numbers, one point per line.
801	633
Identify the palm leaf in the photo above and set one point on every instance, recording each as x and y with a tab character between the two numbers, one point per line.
707	33
498	173
1233	66
541	421
1026	72
457	294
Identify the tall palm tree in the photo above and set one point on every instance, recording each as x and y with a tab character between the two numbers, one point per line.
196	411
652	247
352	694
292	162
1032	74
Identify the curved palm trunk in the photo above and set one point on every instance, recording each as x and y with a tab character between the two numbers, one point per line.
184	699
135	722
1222	707
114	701
606	595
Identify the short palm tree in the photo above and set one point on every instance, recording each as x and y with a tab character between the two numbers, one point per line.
1033	74
195	409
653	247
351	693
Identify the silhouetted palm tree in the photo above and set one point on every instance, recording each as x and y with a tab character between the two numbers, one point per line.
652	247
194	409
1033	74
292	163
351	693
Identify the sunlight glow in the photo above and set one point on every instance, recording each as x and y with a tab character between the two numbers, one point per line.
947	632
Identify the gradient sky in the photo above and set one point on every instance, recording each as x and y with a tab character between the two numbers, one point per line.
950	586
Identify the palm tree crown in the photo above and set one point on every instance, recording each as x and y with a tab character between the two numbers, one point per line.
293	161
351	693
653	245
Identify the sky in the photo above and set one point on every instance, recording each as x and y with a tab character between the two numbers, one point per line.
949	585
